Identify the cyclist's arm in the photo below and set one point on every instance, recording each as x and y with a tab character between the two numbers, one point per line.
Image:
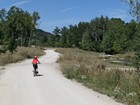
38	61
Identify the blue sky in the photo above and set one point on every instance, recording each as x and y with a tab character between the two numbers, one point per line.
62	13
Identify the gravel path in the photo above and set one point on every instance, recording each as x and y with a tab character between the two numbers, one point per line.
19	87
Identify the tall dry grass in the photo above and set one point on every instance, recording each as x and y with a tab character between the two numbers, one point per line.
90	69
21	54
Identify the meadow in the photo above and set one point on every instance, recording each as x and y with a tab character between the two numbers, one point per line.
98	71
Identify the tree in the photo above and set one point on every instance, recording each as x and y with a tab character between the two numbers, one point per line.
70	36
131	33
56	34
134	8
87	43
63	38
135	11
114	38
35	17
2	15
82	27
12	29
28	28
98	28
2	22
16	28
51	40
73	36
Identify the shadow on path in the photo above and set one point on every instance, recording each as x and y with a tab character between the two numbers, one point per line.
39	74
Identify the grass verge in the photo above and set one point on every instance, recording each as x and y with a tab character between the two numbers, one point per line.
21	54
89	69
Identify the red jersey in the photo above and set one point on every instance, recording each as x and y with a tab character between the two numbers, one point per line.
35	61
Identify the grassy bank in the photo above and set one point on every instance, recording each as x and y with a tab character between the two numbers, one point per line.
91	70
21	54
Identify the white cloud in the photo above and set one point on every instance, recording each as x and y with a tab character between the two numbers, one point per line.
67	9
21	3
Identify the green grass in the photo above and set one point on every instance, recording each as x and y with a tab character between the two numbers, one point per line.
83	66
21	54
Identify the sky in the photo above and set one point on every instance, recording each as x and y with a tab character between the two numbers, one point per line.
62	13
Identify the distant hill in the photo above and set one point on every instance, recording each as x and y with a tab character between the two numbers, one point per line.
41	37
42	33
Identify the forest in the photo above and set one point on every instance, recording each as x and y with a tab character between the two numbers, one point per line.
101	34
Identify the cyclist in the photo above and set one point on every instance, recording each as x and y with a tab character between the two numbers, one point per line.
35	62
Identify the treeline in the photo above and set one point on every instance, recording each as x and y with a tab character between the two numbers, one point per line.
100	34
17	27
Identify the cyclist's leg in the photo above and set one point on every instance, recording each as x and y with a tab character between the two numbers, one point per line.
35	67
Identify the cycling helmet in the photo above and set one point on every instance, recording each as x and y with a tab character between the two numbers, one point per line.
35	57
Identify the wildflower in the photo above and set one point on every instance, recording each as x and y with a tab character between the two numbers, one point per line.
131	94
117	90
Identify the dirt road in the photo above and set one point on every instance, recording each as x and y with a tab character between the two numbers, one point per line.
19	87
